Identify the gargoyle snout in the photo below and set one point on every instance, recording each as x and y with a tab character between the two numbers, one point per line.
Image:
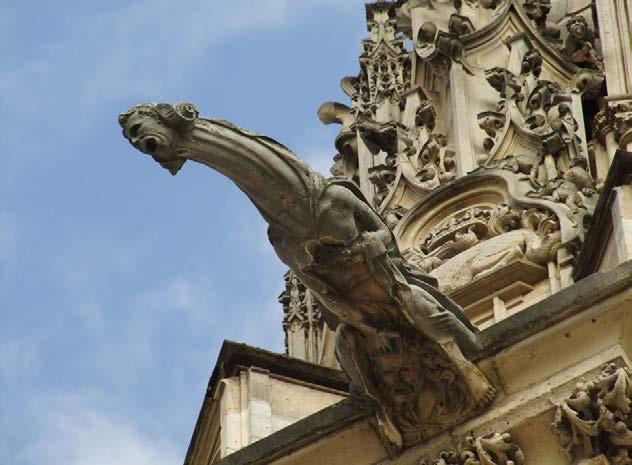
149	145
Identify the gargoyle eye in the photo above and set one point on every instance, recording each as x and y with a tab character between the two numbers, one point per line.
134	130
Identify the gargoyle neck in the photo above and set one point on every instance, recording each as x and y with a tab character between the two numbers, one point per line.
279	184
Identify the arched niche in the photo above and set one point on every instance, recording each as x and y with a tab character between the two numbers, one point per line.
493	249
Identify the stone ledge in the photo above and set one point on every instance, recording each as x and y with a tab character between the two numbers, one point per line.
233	356
554	309
299	434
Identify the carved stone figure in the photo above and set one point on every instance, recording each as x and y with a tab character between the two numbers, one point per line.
493	449
569	188
493	254
346	143
479	242
580	44
382	176
527	164
344	253
538	10
596	418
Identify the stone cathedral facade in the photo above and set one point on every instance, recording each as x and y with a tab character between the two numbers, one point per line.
490	143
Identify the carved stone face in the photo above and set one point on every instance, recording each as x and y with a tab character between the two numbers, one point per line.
537	9
577	26
399	375
147	132
158	129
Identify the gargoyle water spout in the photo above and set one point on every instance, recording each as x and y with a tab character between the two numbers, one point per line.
403	344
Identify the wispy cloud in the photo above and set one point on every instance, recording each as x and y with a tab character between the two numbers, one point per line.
191	298
140	48
72	431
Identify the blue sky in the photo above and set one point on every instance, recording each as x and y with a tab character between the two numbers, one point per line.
118	283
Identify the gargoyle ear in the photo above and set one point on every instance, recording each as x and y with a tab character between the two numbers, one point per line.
188	111
173	166
178	116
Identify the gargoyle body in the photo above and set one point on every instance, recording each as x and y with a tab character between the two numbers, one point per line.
403	344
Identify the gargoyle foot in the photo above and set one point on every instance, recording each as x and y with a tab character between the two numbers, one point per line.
482	392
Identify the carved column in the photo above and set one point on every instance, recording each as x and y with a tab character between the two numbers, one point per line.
461	122
603	131
615	31
622	222
365	162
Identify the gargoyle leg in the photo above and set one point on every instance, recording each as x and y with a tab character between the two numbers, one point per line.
443	328
353	360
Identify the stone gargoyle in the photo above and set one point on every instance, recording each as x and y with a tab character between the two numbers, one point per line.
404	345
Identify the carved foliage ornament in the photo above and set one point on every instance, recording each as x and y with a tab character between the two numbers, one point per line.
493	449
385	64
300	313
596	418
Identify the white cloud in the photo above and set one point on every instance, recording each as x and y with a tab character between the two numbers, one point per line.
71	431
139	48
192	298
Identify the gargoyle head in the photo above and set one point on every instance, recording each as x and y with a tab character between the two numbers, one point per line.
537	9
158	129
426	115
577	26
